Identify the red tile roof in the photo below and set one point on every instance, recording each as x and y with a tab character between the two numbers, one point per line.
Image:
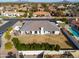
40	13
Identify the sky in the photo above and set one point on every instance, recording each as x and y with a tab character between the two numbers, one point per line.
38	0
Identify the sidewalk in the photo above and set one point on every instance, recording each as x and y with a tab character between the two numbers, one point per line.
3	52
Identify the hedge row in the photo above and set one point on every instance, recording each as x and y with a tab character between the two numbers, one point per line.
34	46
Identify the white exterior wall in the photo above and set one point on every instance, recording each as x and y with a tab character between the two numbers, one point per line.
38	32
46	32
18	14
4	14
27	32
11	14
34	15
57	32
22	32
33	32
42	31
30	52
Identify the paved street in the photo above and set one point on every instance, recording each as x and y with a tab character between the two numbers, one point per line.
4	27
8	24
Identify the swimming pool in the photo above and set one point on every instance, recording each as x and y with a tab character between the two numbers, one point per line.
73	32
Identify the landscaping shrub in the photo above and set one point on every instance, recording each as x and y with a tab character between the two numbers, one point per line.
8	45
7	36
57	47
9	28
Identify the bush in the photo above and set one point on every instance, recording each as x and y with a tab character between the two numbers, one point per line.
0	22
65	20
8	46
7	36
57	47
15	41
9	28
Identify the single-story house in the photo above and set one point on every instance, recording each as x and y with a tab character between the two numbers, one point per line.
41	13
39	27
12	13
61	7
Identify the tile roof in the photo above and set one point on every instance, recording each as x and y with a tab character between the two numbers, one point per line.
40	13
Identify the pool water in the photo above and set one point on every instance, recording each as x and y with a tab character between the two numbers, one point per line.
73	32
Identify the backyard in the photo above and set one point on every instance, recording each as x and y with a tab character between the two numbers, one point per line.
51	39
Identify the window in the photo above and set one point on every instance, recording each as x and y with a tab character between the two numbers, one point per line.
35	32
53	32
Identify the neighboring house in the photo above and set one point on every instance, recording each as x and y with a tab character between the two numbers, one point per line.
52	8
41	14
75	24
31	54
61	7
1	8
12	14
40	9
23	9
39	27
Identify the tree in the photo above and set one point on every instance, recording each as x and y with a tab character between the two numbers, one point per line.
16	43
8	45
15	40
57	47
30	14
65	20
9	28
7	36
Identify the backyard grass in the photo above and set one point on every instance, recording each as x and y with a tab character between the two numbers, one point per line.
51	39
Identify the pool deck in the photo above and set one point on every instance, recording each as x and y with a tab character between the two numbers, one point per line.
74	33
